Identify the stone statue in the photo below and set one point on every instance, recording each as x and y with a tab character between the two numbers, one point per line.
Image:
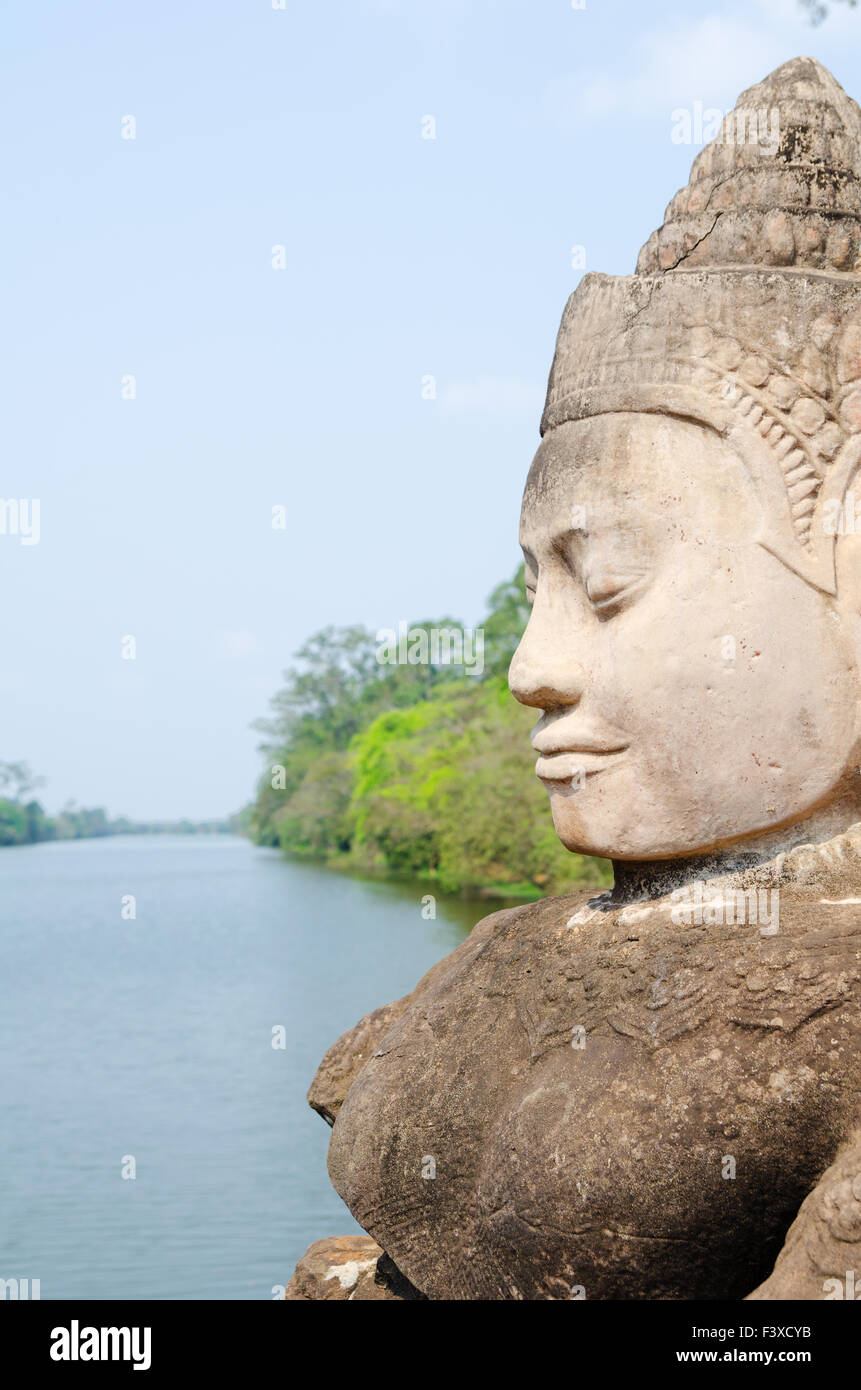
654	1094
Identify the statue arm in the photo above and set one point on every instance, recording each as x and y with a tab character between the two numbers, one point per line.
821	1257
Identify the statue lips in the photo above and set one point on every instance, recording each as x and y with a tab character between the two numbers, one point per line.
563	758
569	762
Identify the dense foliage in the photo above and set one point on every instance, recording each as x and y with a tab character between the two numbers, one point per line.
422	770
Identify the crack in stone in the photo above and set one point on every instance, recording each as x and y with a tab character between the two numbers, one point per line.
698	242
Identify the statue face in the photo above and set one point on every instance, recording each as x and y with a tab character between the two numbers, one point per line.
693	690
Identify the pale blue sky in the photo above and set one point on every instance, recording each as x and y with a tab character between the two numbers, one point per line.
256	387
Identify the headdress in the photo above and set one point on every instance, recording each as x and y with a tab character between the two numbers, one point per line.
745	312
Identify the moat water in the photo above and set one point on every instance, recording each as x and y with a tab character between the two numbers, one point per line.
149	1039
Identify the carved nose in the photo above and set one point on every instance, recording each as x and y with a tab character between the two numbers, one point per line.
543	675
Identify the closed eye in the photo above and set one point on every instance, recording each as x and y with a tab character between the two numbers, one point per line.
610	598
530	577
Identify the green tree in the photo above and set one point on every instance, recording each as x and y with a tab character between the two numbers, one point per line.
508	614
818	9
17	780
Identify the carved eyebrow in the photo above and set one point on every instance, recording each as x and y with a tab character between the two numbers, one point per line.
566	532
562	539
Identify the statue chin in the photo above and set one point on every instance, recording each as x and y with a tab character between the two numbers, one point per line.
614	832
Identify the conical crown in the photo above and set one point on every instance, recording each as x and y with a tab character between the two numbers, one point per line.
779	186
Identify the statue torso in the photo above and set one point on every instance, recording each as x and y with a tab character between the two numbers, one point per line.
607	1103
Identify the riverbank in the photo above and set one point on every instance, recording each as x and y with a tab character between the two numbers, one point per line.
592	873
26	823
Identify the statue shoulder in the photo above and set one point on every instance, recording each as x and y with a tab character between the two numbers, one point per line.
348	1054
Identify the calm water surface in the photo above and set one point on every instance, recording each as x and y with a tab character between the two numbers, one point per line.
152	1038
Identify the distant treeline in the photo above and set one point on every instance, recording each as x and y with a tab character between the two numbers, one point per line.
23	820
392	758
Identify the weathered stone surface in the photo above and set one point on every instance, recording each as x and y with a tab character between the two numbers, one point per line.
346	1057
348	1268
332	1268
601	1166
781	185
